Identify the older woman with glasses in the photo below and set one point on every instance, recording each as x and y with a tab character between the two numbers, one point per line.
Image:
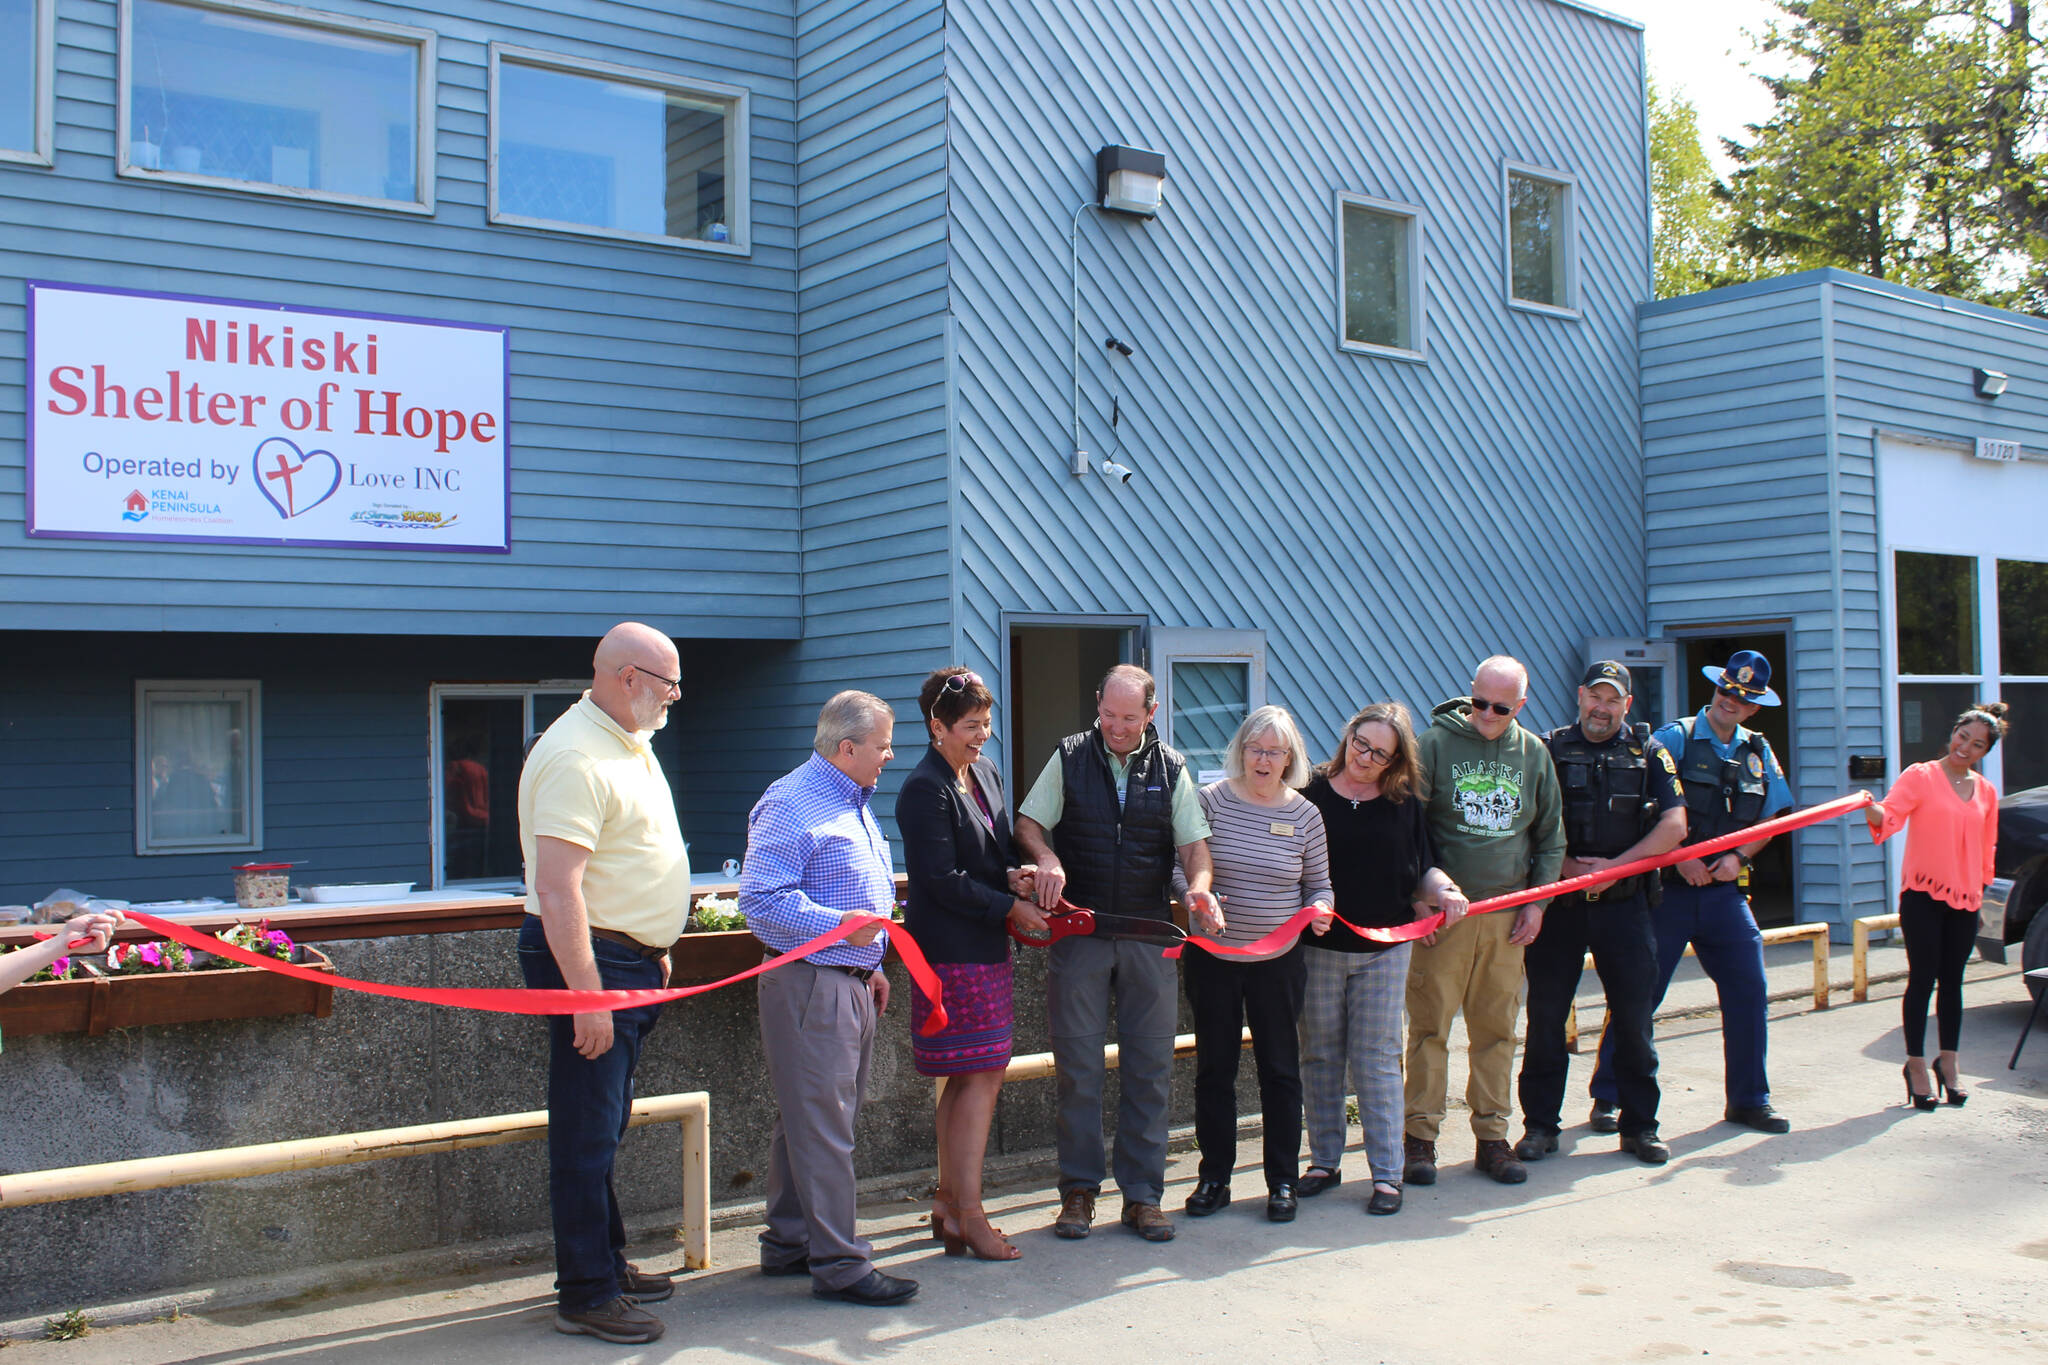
965	888
1266	844
1383	868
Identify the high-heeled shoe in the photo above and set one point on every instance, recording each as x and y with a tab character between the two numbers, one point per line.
1924	1103
942	1210
968	1230
1953	1097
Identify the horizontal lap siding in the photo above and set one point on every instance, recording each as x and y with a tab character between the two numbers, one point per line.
1747	520
653	389
1386	524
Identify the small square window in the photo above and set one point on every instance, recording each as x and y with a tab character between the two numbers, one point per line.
253	96
1379	251
1542	237
589	147
27	30
198	770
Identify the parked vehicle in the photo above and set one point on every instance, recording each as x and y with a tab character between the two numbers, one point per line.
2013	902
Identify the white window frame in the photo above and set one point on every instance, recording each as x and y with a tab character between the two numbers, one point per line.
1569	183
426	97
203	689
437	761
739	172
1417	292
44	105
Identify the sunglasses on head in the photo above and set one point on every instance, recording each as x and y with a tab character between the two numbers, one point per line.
1496	707
960	682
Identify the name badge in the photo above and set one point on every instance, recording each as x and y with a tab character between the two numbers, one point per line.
1280	830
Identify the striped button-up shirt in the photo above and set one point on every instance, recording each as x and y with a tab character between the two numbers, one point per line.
814	853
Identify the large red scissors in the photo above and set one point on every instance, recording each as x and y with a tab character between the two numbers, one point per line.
1070	921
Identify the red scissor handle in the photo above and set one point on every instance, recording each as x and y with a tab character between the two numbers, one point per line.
1065	922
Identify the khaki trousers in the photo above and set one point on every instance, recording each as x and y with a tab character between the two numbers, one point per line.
1472	966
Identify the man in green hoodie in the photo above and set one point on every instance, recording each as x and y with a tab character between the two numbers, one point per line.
1497	818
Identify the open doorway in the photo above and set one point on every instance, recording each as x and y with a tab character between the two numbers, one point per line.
1053	669
1772	894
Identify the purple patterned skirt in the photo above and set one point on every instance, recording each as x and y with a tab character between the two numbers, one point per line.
977	1035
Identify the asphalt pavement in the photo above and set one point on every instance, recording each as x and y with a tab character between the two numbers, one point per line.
1870	1232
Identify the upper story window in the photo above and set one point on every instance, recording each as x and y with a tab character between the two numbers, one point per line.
1542	239
27	46
198	766
590	147
254	96
1379	252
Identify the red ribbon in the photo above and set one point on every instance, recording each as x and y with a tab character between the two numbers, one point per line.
1407	933
524	1001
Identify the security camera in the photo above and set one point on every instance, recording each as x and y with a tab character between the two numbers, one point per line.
1119	347
1112	470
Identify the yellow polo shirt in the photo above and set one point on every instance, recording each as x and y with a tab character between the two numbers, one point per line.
591	782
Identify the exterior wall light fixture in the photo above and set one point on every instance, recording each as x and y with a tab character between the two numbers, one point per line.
1130	180
1990	383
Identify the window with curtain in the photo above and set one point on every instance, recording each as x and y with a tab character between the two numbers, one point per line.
197	758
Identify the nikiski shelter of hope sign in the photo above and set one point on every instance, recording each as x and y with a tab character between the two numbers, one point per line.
162	417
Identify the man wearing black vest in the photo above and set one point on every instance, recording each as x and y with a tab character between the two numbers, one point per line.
1622	801
1103	823
1732	781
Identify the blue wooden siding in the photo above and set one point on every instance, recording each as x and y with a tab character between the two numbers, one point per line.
1386	523
653	388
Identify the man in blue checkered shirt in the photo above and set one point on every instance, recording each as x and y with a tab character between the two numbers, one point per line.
816	859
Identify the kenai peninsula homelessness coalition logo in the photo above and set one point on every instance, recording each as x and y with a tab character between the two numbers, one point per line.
168	417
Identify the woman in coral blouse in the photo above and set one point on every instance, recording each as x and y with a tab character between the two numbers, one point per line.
1953	814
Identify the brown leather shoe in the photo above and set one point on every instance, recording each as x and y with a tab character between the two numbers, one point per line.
621	1320
1497	1159
1077	1215
1418	1161
1148	1221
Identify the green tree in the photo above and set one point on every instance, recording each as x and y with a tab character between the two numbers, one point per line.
1693	223
1877	155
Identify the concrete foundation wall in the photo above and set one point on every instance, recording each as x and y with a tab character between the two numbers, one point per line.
377	1063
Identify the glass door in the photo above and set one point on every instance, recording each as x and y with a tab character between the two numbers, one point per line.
1653	672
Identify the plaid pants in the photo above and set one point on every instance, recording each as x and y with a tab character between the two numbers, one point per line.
1352	1016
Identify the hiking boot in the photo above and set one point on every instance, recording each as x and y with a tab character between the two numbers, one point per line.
1536	1144
1077	1215
1149	1222
1419	1158
621	1320
1497	1159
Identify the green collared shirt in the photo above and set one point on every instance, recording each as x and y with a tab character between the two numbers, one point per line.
1048	798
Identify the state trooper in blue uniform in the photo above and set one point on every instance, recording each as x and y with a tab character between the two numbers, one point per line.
1622	801
1731	780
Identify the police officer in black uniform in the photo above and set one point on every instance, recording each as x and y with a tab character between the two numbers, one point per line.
1622	801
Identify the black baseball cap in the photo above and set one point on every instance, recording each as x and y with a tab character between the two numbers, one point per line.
1609	672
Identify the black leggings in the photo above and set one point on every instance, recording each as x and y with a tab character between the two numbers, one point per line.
1938	942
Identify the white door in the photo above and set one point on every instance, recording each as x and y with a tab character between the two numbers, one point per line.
1209	681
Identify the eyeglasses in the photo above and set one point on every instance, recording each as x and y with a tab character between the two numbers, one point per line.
1359	745
1266	755
668	685
960	682
1480	706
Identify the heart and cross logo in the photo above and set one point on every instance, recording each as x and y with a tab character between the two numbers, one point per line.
294	480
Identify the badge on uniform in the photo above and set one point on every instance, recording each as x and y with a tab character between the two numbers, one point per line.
1280	830
1669	765
1756	765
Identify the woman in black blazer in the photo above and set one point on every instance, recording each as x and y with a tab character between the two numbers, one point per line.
964	890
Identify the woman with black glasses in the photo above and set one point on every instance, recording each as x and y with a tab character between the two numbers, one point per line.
965	888
1383	868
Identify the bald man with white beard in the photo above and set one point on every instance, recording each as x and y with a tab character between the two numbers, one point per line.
609	891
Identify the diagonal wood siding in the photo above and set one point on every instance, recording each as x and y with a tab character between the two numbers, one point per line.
1386	523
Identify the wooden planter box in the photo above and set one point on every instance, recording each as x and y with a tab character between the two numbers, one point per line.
97	1004
702	956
